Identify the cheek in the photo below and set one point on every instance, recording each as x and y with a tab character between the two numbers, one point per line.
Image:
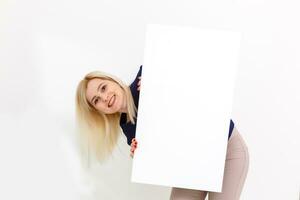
121	96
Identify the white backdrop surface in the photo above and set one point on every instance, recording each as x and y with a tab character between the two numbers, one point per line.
47	46
188	81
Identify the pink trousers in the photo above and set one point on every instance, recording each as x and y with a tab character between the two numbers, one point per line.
235	173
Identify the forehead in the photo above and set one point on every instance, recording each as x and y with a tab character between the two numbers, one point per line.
94	83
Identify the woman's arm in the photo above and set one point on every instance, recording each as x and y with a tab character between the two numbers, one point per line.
133	141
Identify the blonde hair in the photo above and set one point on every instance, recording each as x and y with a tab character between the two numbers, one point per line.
99	132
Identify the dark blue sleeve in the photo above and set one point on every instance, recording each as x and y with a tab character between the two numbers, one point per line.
230	128
134	83
129	129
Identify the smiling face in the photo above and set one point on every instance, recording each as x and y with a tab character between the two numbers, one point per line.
106	96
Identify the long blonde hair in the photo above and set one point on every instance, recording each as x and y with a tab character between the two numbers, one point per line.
99	132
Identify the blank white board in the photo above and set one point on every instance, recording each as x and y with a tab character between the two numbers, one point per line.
185	106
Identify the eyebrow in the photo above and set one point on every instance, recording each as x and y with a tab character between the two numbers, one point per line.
97	90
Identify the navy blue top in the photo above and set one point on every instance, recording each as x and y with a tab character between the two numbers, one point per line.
129	128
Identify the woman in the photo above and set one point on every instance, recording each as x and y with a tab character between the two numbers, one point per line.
104	104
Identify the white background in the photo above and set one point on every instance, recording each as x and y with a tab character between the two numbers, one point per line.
47	46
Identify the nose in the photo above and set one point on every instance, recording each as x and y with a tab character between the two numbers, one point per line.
104	97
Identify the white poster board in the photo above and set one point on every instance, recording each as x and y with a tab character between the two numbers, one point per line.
185	106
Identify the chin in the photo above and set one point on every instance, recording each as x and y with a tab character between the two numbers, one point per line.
113	111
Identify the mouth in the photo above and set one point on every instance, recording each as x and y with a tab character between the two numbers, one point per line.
111	101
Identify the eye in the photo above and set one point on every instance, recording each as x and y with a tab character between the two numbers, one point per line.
103	87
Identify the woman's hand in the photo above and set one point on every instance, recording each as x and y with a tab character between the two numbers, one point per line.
139	83
133	147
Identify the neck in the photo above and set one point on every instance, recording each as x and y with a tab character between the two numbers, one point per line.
124	107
